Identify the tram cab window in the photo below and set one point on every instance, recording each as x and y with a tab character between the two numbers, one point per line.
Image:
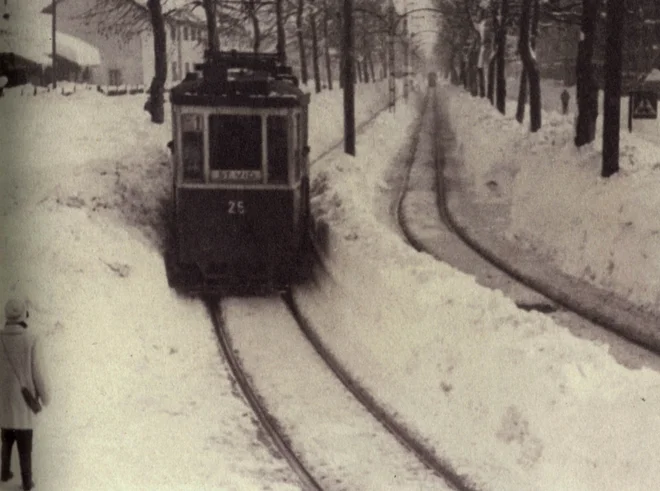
235	147
192	143
278	171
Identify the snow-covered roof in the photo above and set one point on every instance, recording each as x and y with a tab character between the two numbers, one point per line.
76	50
38	49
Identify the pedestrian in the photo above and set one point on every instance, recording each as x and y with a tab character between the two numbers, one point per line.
21	366
565	97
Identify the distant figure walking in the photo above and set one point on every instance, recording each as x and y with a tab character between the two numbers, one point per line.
21	368
565	98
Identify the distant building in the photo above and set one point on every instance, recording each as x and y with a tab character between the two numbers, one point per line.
121	31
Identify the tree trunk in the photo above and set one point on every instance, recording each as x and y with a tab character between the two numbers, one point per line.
315	51
491	81
612	108
281	35
301	42
372	70
211	24
326	46
155	102
500	94
342	55
455	76
526	42
522	96
481	57
587	89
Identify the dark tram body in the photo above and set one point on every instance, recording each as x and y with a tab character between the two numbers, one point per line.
241	176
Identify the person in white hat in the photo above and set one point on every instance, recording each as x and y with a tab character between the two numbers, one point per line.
21	366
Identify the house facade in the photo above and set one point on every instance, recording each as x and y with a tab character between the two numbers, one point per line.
124	38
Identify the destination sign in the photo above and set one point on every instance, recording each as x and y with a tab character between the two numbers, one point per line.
236	175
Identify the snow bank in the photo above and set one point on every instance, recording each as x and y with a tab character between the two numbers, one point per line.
509	399
602	230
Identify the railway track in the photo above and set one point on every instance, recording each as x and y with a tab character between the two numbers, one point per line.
455	246
332	439
412	461
265	419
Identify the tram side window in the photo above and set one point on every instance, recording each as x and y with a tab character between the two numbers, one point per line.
277	149
192	142
235	142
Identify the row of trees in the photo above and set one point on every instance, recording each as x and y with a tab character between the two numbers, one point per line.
307	31
478	38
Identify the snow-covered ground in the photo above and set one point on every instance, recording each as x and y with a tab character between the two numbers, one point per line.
142	398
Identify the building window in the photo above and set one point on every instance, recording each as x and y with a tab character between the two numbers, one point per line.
187	65
175	74
173	31
114	76
185	33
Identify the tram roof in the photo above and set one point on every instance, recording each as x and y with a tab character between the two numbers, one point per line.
279	93
240	79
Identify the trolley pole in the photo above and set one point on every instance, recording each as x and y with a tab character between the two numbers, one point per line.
349	87
54	43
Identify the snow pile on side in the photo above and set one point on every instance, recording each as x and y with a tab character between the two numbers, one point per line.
602	230
508	398
141	398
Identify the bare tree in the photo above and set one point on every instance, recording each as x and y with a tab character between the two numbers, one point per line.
587	89
211	24
300	9
315	47
281	34
326	44
154	104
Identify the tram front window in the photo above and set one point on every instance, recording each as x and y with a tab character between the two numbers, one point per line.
235	147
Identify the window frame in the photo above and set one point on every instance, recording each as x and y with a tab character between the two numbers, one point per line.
293	180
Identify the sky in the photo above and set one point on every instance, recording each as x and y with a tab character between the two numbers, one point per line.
511	399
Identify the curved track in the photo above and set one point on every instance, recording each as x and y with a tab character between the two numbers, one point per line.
268	421
550	297
426	456
265	419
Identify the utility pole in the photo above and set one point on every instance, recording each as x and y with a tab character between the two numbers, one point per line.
349	87
54	43
613	69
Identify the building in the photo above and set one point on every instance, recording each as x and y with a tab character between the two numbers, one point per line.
121	31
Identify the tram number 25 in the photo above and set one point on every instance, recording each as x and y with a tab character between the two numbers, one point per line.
236	207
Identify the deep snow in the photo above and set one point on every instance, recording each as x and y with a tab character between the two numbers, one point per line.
142	398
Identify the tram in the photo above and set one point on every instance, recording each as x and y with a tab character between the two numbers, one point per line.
240	194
